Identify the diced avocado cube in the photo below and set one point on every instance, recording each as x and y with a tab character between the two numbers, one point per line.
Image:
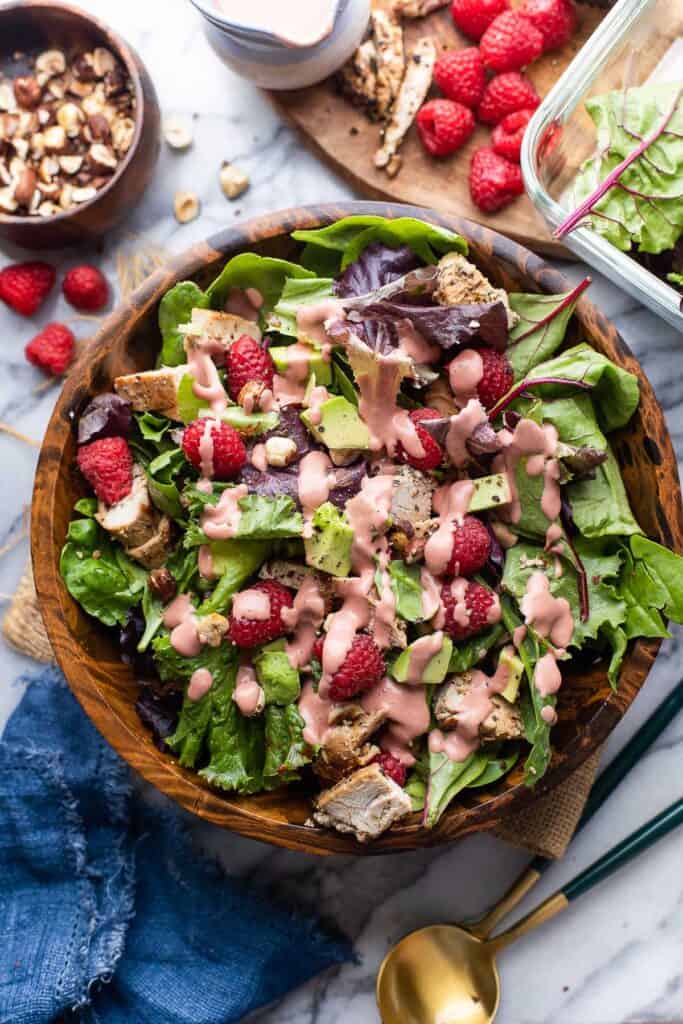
275	673
515	669
436	669
322	368
329	546
490	492
340	426
189	406
249	423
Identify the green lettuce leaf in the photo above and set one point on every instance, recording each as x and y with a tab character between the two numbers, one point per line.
236	561
470	652
286	749
665	568
416	783
175	309
342	378
236	744
496	769
262	518
448	778
106	587
249	270
530	344
407	588
675	279
298	292
617	640
351	235
189	406
153	610
162	482
644	210
276	675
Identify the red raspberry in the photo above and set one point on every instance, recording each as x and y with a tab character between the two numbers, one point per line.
497	378
504	95
363	666
52	349
229	453
444	126
392	767
25	286
251	632
86	288
461	76
494	181
473	17
471	547
469	613
432	450
318	649
247	361
555	19
507	136
510	43
107	465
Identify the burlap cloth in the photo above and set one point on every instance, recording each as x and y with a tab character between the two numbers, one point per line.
545	828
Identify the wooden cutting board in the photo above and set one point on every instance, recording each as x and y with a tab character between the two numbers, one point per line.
342	136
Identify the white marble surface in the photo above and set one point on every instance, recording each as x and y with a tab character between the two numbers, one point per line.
616	956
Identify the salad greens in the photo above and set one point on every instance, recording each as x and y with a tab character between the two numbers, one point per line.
225	600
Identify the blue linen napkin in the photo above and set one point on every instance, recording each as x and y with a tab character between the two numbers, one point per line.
106	912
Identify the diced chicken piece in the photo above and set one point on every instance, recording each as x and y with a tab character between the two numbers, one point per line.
154	552
504	721
346	746
223	328
398	637
388	37
365	804
292	575
411	96
411	499
358	79
153	390
409	539
460	283
133	520
418	8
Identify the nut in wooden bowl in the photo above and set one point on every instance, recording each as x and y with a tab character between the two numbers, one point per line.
79	126
89	655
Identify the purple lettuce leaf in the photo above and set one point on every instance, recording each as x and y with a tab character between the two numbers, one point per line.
377	265
159	713
107	415
447	326
348	483
273	482
290	425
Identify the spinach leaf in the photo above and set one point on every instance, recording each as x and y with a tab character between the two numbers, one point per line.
448	778
249	270
107	586
495	770
175	309
153	610
615	391
665	568
630	191
162	482
286	749
235	562
298	292
416	783
276	675
617	640
407	587
470	652
543	322
351	235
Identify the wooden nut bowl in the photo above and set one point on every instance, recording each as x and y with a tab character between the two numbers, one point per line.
29	26
88	653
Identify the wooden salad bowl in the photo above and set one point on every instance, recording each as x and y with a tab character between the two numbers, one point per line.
88	653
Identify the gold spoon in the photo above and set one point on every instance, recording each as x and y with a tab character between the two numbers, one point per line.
444	974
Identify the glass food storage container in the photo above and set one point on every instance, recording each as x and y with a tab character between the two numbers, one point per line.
638	42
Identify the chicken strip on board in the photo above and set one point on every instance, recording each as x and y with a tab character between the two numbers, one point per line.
387	34
415	86
418	8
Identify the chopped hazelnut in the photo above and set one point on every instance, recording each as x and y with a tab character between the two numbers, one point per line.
48	209
115	82
83	67
122	133
71	164
27	123
250	395
233	181
8	126
48	168
66	197
26	186
27	91
280	451
57	88
100	130
79	88
185	207
162	584
55	138
211	629
177	133
84	195
50	189
102	61
38	145
70	117
7	99
101	158
51	63
7	201
21	148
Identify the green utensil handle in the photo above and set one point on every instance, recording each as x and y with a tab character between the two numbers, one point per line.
621	765
626	850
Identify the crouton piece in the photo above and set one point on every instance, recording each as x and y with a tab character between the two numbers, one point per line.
460	283
153	390
154	551
133	520
365	804
504	721
411	499
346	745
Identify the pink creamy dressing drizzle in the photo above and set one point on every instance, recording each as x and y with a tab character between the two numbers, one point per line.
200	684
505	537
538	444
387	424
474	709
258	457
244	303
304	618
221	521
451	502
318	395
460	429
412	344
251	604
353	616
385	609
431	594
316	480
547	675
519	635
248	695
464	374
421	653
550	616
315	711
311	320
205	562
407	714
207	384
180	618
290	388
206	449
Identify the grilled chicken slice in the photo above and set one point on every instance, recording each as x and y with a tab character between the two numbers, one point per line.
357	80
223	328
461	283
152	390
292	575
365	804
388	38
415	86
153	553
133	520
411	497
504	721
346	745
418	8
